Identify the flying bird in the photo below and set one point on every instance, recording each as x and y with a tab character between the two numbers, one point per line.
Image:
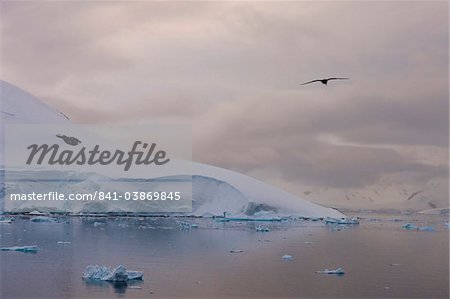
324	81
69	140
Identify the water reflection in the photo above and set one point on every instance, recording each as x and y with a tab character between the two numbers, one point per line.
197	263
118	287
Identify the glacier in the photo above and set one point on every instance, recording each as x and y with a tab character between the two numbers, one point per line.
215	190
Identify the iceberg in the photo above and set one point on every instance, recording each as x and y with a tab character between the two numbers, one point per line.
64	243
287	257
5	220
187	225
44	219
118	274
36	213
410	226
248	219
262	229
214	190
29	248
338	271
426	229
330	220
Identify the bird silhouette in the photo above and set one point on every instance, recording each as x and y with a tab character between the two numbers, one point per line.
69	140
324	81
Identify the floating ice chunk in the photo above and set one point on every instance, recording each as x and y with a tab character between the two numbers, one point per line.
96	272
330	220
133	275
97	224
287	257
410	226
338	271
64	243
236	250
426	229
36	213
262	229
43	219
447	225
5	220
308	242
187	225
29	248
245	219
119	274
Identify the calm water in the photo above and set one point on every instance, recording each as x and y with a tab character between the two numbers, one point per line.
198	262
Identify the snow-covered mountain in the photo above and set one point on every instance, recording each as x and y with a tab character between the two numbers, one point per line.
385	196
214	190
18	106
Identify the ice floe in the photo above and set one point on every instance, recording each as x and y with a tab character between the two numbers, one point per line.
410	226
338	271
262	229
44	219
187	225
287	257
29	248
330	220
118	274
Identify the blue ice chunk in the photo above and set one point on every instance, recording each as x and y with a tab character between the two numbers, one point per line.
5	220
410	226
427	229
44	219
287	257
262	229
187	225
338	271
29	248
118	274
330	220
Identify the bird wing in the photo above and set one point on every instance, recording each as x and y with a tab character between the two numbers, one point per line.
338	78
318	80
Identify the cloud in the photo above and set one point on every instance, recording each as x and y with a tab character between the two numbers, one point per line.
233	70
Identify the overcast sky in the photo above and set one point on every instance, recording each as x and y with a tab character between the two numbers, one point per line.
233	70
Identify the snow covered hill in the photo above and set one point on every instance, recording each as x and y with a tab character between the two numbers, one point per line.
385	196
215	190
18	106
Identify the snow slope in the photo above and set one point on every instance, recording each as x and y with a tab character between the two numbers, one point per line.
215	190
18	106
384	196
